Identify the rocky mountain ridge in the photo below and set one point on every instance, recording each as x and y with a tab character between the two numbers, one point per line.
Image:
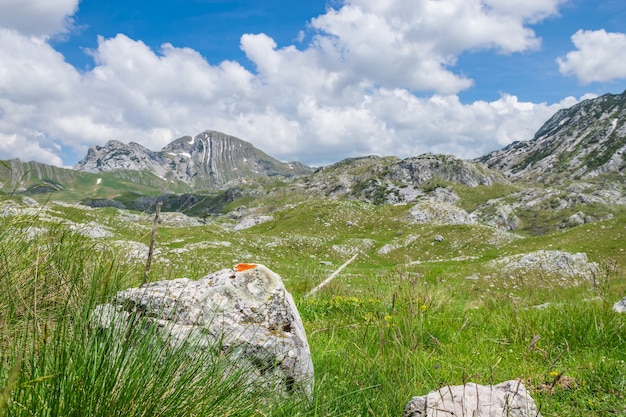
571	173
393	180
581	142
210	160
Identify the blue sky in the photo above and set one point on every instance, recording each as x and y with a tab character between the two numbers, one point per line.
212	27
314	81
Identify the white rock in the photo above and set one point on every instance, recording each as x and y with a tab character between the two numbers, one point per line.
246	312
550	262
620	306
252	221
432	212
92	230
507	399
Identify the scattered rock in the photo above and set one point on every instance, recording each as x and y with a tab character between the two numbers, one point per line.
130	217
507	399
209	244
246	313
9	208
176	219
579	219
437	213
397	244
497	214
353	246
33	231
389	247
444	195
92	230
428	167
549	262
30	202
620	306
438	238
576	219
252	221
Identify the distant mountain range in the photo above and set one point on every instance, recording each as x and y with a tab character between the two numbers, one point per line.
581	143
209	161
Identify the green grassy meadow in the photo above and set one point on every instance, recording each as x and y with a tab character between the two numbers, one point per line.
394	324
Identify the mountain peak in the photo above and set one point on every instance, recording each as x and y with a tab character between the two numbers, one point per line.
208	160
580	142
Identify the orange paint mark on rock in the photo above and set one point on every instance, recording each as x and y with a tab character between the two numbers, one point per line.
244	267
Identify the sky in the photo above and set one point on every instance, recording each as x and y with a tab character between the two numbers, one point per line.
314	81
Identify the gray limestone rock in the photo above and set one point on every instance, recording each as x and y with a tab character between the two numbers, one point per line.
432	212
497	214
92	230
507	399
552	263
245	313
444	195
428	167
252	221
620	306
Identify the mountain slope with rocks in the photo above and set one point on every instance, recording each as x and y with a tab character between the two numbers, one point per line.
578	143
116	155
36	178
210	160
393	180
571	173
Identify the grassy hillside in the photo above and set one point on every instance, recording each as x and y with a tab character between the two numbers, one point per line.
44	182
411	314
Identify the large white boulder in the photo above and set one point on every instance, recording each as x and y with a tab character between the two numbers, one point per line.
246	313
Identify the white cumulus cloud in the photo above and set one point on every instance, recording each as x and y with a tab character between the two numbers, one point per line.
414	44
377	78
41	18
599	56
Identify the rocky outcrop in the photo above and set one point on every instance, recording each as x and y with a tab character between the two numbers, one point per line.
580	142
116	155
252	221
497	214
550	263
428	167
214	158
507	399
391	180
245	313
503	212
436	213
209	160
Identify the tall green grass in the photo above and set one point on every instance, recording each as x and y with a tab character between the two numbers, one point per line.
415	334
55	363
379	333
